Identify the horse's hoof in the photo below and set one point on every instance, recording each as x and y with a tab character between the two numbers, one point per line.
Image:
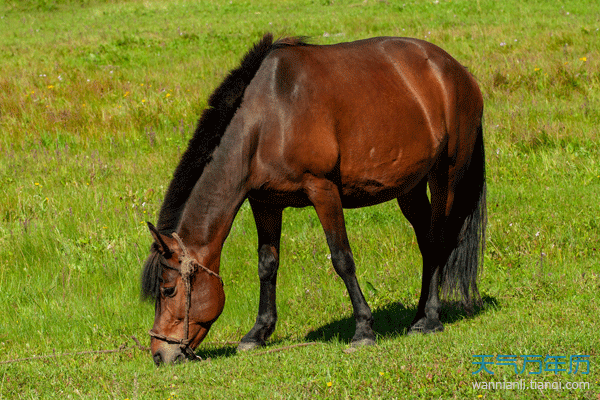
247	346
426	326
363	342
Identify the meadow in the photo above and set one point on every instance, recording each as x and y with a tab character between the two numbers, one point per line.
98	99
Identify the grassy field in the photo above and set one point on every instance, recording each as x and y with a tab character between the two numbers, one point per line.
97	102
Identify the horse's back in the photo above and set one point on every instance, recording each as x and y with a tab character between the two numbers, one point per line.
375	112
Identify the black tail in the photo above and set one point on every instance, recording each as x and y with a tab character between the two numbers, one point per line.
467	226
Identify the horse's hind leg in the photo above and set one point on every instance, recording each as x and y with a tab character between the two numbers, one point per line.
416	208
325	198
268	225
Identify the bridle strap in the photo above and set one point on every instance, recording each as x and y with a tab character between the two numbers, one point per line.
188	267
184	344
189	264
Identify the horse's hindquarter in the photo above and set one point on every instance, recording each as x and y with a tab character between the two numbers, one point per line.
369	115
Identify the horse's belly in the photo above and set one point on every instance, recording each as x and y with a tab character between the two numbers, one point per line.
370	192
378	180
368	195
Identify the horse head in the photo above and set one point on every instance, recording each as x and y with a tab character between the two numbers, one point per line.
188	296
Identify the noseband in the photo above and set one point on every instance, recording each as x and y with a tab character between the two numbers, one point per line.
188	267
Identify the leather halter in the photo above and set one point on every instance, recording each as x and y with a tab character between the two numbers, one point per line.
188	267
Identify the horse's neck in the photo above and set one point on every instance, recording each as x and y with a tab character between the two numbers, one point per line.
219	193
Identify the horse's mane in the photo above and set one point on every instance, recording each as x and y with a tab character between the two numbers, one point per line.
222	105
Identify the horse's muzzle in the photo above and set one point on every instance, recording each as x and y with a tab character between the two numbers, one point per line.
169	354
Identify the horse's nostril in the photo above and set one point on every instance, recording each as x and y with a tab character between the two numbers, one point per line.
179	359
158	360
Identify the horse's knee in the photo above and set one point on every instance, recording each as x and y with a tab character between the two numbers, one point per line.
343	263
268	263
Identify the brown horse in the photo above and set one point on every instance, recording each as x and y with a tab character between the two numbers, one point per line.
339	126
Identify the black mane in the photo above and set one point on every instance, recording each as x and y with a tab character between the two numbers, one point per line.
222	105
151	275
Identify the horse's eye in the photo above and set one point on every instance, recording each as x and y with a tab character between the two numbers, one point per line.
169	291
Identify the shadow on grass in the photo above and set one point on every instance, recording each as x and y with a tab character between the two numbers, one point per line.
394	319
217	352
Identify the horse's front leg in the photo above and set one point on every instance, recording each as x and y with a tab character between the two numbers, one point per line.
268	225
325	197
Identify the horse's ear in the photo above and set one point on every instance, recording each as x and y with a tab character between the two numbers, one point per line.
160	241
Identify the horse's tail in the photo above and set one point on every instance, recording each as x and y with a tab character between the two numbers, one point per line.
467	220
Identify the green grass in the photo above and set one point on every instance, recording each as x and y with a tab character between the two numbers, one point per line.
97	102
